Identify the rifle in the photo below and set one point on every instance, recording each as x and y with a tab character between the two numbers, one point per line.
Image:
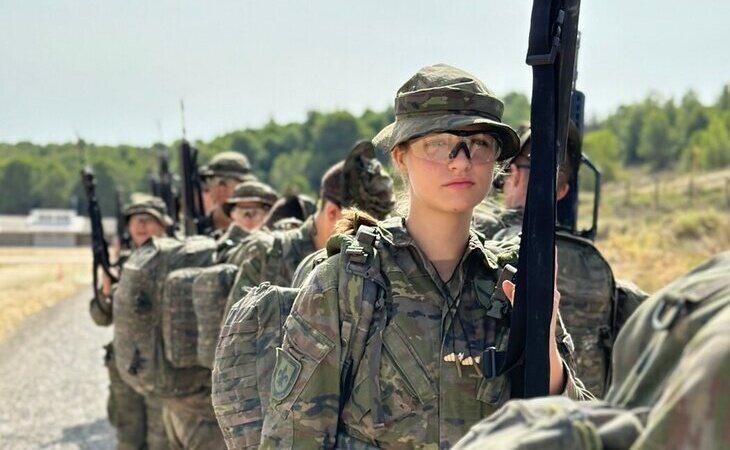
192	193
122	233
99	244
163	186
551	53
567	208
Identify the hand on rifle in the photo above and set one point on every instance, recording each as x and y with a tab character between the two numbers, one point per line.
557	374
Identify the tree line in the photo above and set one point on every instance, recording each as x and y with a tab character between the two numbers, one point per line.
655	134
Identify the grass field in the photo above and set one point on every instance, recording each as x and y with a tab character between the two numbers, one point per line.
32	279
652	234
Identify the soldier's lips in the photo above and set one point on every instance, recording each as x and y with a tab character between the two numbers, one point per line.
460	184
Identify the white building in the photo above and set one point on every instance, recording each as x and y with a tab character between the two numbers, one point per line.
50	228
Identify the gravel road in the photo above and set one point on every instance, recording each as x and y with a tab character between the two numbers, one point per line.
53	384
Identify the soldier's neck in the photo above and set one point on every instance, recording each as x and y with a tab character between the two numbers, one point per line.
441	236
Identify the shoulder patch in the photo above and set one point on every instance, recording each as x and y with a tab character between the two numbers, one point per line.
286	373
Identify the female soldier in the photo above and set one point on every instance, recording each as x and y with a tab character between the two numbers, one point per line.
426	388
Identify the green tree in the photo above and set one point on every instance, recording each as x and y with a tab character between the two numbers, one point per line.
713	145
16	184
333	135
655	144
286	172
516	109
602	147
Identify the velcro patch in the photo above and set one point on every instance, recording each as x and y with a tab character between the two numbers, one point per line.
286	373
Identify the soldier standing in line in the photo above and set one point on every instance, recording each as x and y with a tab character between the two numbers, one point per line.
247	207
220	177
359	181
669	386
594	305
136	418
417	381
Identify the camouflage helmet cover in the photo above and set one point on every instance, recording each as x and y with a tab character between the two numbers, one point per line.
253	192
366	184
230	165
442	98
141	203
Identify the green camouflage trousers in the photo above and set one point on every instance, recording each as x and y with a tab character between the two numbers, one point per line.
190	423
137	419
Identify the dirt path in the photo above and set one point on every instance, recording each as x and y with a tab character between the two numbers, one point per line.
53	384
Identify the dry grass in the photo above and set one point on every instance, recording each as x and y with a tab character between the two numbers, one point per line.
653	245
32	279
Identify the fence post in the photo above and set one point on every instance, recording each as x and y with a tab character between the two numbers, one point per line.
656	193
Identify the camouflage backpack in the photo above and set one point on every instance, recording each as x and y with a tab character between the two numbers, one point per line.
253	330
670	372
144	324
273	250
588	308
210	292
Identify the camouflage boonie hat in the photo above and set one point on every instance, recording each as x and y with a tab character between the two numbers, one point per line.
367	185
141	203
230	165
251	191
443	98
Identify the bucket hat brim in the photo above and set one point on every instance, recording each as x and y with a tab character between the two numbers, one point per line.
412	126
164	219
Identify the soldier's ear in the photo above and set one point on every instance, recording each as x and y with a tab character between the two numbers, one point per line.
398	157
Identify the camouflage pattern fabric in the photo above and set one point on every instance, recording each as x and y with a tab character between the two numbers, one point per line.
441	98
591	305
179	323
230	165
252	192
554	423
405	391
670	372
307	266
210	292
271	257
138	314
587	303
491	221
244	362
136	419
190	423
141	203
228	243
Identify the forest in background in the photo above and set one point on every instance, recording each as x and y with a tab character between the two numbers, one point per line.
652	136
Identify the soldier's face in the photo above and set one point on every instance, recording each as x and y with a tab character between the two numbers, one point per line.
142	227
249	215
219	189
456	185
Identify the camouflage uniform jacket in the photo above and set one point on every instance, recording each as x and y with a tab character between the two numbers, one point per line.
272	257
501	221
421	400
228	243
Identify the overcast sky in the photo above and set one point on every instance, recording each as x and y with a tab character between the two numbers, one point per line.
111	70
